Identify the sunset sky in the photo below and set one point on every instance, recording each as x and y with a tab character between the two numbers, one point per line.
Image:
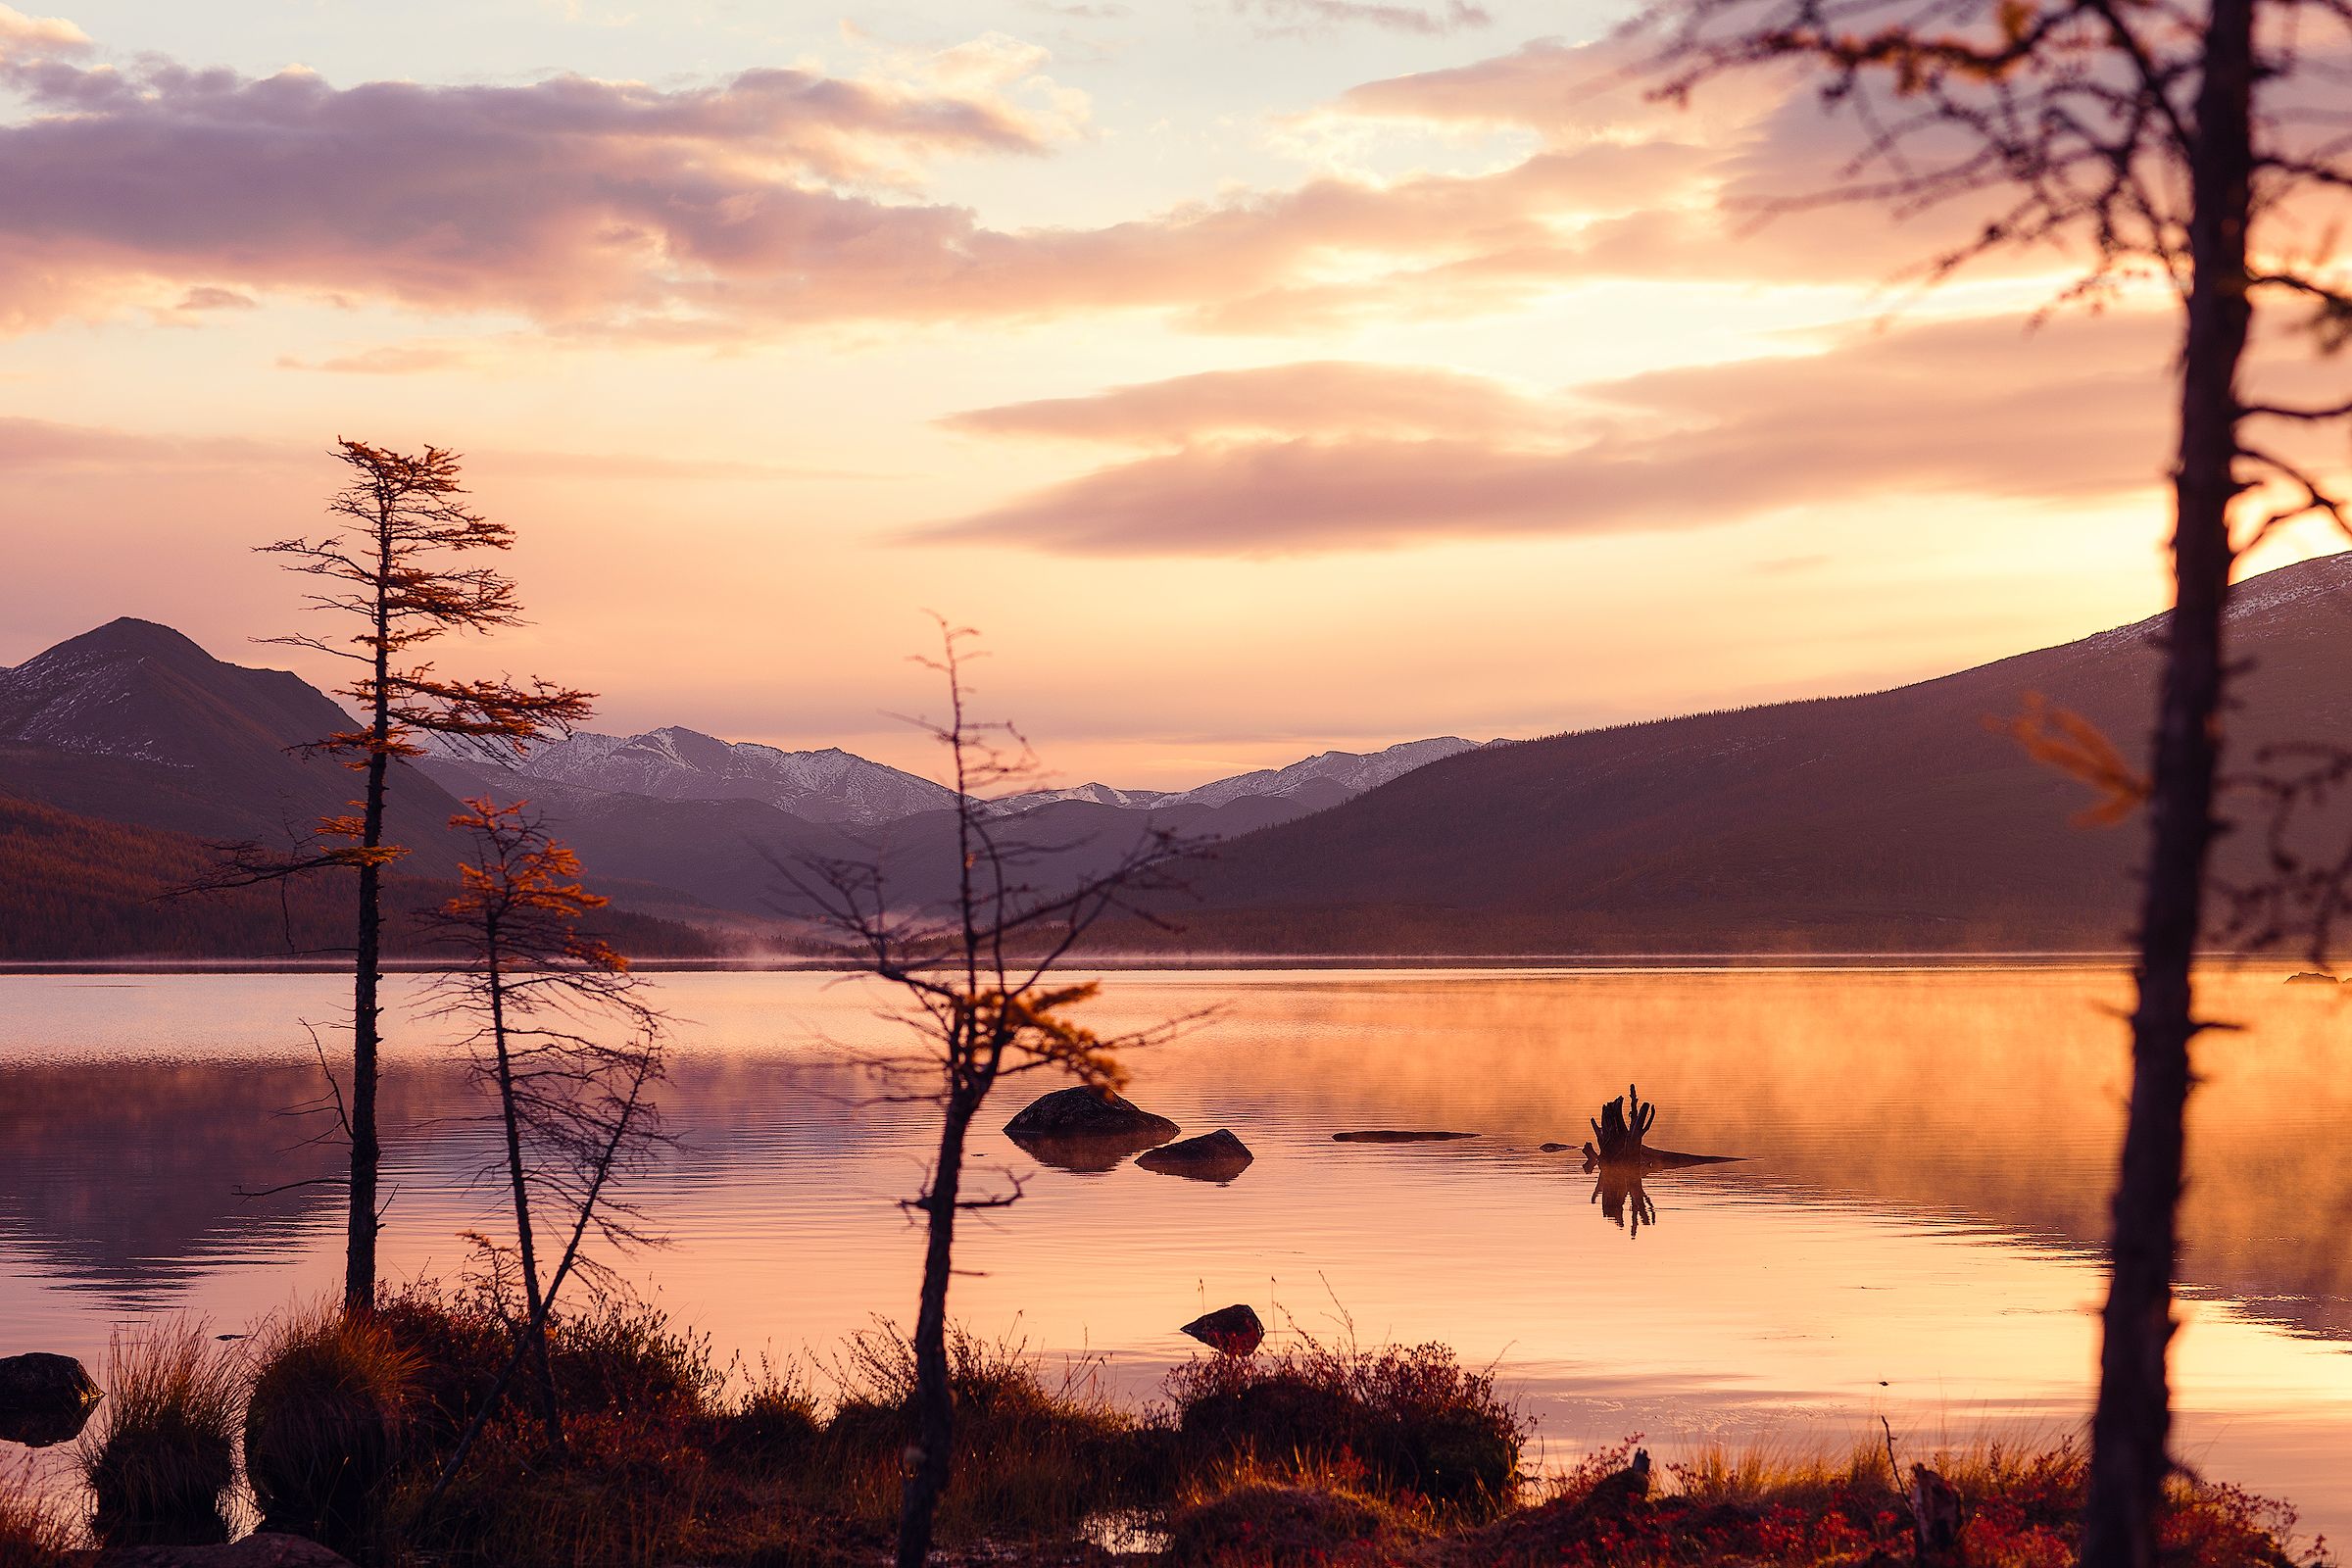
1259	375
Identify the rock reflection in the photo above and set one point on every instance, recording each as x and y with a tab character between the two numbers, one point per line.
1083	1156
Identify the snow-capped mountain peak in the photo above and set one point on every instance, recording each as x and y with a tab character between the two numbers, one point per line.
676	763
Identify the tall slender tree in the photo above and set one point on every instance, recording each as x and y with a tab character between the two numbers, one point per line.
394	564
2190	144
985	1000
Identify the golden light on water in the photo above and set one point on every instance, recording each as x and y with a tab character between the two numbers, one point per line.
1913	1231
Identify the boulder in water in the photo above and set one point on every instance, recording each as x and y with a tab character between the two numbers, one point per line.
1082	1112
1216	1156
1230	1330
44	1398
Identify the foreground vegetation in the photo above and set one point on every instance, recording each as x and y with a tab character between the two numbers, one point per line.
1317	1454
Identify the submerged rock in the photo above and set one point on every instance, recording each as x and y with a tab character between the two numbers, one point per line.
1081	1112
1230	1330
1216	1156
44	1398
1391	1134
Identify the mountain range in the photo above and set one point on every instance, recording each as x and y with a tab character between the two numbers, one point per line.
834	786
1897	819
133	737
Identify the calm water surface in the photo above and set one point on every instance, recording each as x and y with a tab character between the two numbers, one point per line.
1912	1233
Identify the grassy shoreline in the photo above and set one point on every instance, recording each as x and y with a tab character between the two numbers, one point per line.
1312	1454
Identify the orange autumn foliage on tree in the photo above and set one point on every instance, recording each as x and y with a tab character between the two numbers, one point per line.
389	564
570	1050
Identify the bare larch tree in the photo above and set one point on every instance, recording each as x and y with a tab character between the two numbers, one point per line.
563	1039
984	999
2153	144
391	564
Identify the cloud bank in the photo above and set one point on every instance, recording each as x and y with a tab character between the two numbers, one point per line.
1320	457
785	198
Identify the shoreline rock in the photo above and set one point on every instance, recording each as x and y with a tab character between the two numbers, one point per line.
1217	1156
1230	1330
45	1399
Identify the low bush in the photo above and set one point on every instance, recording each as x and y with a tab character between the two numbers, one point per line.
2023	1505
1247	1514
1419	1423
160	1466
774	1423
621	1355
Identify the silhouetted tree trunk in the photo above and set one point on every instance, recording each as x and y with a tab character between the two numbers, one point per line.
2133	1418
519	1184
2151	140
366	1011
933	1450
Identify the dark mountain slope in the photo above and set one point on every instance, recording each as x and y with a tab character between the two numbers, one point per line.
134	722
1893	821
76	888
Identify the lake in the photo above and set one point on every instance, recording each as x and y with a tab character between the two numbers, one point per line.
1913	1232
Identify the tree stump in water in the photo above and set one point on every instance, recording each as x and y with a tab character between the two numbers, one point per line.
1619	1129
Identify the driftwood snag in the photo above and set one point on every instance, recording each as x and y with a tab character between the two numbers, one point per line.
1621	1129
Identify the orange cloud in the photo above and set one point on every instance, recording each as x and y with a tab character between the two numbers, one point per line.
1328	398
43	447
1319	457
564	198
775	200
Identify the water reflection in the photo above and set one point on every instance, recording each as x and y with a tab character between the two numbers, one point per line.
1618	1190
1914	1230
1083	1156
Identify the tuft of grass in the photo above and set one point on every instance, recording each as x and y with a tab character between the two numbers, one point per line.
1034	1456
33	1532
323	1413
1420	1424
165	1457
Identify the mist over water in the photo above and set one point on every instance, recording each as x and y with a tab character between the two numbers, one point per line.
1913	1231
